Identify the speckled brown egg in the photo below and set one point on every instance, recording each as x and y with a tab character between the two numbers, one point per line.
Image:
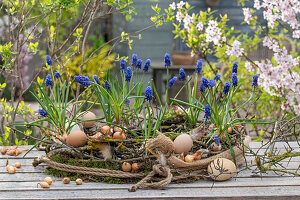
89	116
76	138
183	143
222	169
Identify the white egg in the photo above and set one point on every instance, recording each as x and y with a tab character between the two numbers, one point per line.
183	143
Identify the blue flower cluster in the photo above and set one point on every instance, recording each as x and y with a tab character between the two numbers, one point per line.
83	80
139	64
107	85
147	65
57	75
182	74
167	60
199	66
122	64
217	140
217	77
207	114
172	81
148	93
255	79
42	112
226	87
234	79
48	60
48	80
128	74
134	60
235	67
127	102
96	80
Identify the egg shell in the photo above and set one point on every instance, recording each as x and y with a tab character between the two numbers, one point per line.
183	143
89	116
76	138
220	165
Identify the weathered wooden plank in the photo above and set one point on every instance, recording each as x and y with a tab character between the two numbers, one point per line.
243	192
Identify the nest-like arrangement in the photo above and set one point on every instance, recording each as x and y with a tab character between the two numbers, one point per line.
158	163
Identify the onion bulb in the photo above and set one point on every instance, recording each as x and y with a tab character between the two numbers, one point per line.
3	150
66	180
119	136
189	158
78	181
229	130
106	130
135	166
215	147
48	180
11	152
43	184
18	165
126	167
181	156
11	169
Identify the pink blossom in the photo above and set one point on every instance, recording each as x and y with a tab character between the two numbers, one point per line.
248	15
173	6
187	21
235	50
199	26
179	16
213	33
180	4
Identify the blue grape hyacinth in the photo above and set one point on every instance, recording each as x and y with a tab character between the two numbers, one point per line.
207	114
235	67
147	65
199	66
48	80
205	82
139	64
212	83
57	75
167	60
134	60
234	79
226	87
148	93
217	77
107	85
96	80
48	60
128	74
122	64
217	140
182	74
42	112
172	81
83	80
202	87
255	79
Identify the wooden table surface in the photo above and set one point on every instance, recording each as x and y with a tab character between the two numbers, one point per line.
246	185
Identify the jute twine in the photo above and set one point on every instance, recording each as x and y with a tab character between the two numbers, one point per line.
161	144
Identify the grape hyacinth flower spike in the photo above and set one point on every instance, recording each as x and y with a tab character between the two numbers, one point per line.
212	83
82	80
122	64
217	140
48	60
199	66
42	112
57	75
207	114
48	80
167	60
128	74
148	93
226	87
182	74
235	67
205	82
172	81
147	65
255	79
217	77
202	87
139	64
234	79
96	80
134	60
107	85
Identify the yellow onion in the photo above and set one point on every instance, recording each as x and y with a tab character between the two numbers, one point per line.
18	165
43	184
135	166
48	180
78	181
189	158
126	167
66	180
3	150
11	169
119	136
106	130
